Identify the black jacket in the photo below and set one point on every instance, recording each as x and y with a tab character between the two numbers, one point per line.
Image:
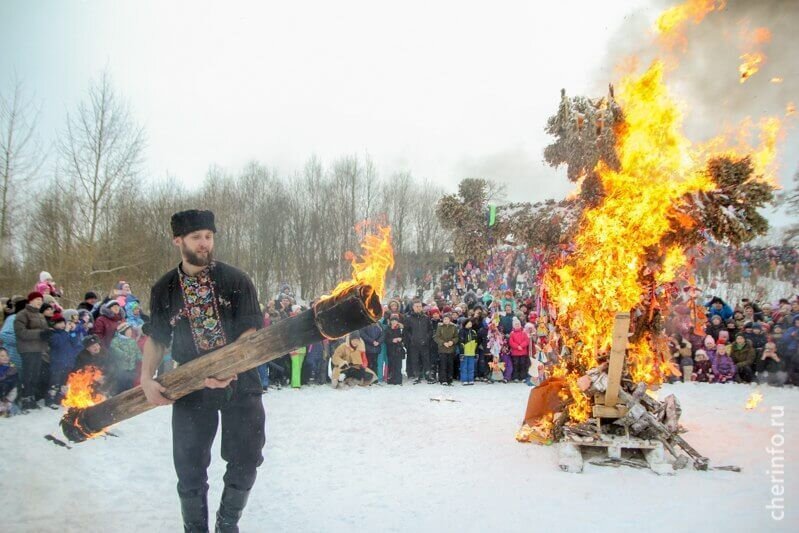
418	330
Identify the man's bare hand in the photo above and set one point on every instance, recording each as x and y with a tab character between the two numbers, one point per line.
213	383
153	391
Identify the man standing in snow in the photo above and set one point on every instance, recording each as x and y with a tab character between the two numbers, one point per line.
198	307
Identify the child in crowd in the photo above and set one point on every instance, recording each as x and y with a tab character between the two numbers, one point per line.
64	349
723	366
703	368
125	355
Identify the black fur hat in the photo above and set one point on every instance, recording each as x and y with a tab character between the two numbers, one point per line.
186	222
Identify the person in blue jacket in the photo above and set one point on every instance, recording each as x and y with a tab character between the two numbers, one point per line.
719	307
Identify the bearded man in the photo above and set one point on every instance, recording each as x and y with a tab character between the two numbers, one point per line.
196	308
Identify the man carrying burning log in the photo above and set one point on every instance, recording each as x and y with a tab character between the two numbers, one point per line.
198	307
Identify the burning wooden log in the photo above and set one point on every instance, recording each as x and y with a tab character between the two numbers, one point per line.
330	318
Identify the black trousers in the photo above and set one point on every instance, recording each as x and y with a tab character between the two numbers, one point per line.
446	362
394	368
31	371
372	358
418	361
194	425
521	364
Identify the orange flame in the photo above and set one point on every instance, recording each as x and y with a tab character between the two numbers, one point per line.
670	25
754	400
776	79
81	386
751	64
614	244
752	60
377	258
790	109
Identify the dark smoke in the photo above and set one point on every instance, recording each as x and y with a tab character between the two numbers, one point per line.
707	78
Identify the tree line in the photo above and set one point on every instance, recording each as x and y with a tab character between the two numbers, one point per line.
85	212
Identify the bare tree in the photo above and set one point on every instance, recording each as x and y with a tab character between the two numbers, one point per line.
101	152
20	157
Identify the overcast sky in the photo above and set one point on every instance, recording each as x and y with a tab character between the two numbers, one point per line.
446	90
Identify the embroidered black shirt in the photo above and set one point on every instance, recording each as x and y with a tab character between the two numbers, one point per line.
199	314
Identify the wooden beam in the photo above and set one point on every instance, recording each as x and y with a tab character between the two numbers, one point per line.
330	318
618	349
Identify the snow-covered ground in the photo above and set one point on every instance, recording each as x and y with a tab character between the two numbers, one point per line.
389	459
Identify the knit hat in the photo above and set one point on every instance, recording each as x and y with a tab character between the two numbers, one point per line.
91	339
58	317
122	327
90	295
355	335
709	341
44	276
110	303
33	295
192	220
516	323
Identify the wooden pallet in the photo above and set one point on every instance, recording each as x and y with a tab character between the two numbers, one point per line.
570	452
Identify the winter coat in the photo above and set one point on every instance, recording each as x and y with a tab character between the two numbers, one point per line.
790	340
418	329
703	371
506	323
519	342
371	334
469	340
137	321
106	326
446	333
9	340
345	356
125	353
725	312
394	349
29	328
714	329
723	368
64	349
758	342
9	378
742	356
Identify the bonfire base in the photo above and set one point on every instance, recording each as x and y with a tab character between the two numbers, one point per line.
572	448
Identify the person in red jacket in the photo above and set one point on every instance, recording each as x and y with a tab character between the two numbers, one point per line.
106	326
519	344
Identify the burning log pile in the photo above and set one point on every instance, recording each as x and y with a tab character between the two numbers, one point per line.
648	197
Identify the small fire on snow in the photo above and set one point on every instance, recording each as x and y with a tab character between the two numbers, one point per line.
754	400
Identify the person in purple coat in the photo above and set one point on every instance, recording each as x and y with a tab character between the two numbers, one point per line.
723	365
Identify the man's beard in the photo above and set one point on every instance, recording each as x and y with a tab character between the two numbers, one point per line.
196	259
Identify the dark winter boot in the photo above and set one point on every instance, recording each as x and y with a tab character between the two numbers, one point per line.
230	509
29	403
194	509
51	400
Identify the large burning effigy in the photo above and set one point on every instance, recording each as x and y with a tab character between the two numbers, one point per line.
648	195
